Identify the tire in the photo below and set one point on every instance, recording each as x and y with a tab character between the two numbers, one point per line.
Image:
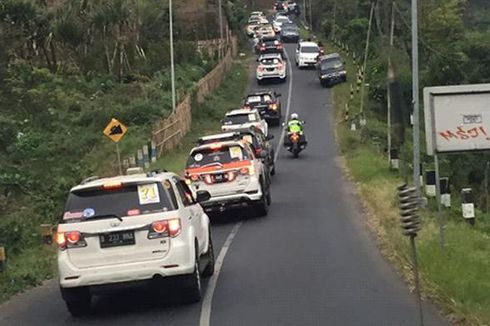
295	154
193	293
273	170
77	300
209	270
261	207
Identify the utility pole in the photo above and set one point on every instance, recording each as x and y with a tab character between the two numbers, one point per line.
311	24
334	18
220	10
415	96
172	63
363	86
391	79
304	11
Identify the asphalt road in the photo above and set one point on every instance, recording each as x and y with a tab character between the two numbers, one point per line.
312	261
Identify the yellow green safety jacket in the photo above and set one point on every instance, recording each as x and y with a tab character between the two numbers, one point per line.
295	126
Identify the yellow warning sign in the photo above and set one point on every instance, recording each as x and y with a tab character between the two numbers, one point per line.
115	130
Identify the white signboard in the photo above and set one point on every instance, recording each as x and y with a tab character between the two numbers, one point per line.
457	118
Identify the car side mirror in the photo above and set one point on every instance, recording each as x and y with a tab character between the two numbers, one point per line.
202	196
270	137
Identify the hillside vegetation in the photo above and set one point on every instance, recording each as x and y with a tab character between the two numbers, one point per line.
66	68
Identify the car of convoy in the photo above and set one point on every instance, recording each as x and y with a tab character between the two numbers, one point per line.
271	66
268	104
269	44
244	118
289	33
331	70
132	230
231	173
279	21
251	26
260	144
307	54
264	30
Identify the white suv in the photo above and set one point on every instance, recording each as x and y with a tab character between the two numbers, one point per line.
244	118
307	54
132	229
271	66
231	173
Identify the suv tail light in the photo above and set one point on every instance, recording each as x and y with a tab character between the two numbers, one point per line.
208	179
164	228
71	239
248	170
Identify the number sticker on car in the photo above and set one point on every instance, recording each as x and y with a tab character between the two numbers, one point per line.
236	152
148	194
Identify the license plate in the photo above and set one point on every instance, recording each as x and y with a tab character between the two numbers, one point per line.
115	239
218	178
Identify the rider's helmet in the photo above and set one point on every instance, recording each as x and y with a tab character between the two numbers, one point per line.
294	116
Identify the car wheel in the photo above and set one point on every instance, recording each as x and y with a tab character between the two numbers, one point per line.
209	270
194	288
261	207
77	300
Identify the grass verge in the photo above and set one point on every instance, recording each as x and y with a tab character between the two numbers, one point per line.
31	266
458	278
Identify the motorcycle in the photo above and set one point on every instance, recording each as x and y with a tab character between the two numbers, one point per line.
296	144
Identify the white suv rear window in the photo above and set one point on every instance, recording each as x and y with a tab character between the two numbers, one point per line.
129	200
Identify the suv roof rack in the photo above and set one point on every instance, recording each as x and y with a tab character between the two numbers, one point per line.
86	180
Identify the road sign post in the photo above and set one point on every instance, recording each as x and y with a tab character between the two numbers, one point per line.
115	131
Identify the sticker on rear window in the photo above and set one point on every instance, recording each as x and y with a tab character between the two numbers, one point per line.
148	194
198	157
247	138
236	152
72	215
251	117
253	99
88	212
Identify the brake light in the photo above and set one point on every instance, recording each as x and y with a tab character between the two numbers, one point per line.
279	46
258	151
280	66
159	226
194	177
250	170
174	227
112	185
71	239
208	179
260	68
215	146
262	48
230	176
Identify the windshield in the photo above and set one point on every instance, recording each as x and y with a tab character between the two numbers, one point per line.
310	49
332	64
86	205
270	61
255	99
282	20
238	119
216	156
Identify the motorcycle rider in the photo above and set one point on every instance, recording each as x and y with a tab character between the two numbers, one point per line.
294	125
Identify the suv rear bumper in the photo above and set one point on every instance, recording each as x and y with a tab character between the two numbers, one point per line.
220	203
179	261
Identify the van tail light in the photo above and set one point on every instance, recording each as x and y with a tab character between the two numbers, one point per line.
194	177
174	227
230	176
208	179
250	170
164	228
71	239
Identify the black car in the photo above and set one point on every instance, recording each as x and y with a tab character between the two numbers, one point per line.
269	44
331	70
267	103
255	137
289	33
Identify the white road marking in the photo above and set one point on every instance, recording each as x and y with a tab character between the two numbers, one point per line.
208	297
288	106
